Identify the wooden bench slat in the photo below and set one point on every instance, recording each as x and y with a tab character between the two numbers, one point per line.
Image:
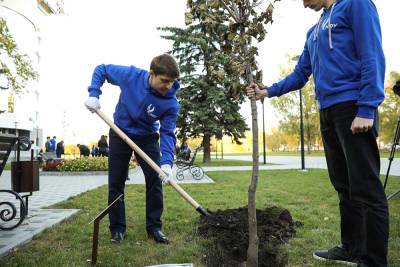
3	155
4	146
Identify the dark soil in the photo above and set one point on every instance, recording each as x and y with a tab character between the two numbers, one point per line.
228	231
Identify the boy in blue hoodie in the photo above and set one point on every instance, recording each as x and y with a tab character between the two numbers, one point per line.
343	52
146	110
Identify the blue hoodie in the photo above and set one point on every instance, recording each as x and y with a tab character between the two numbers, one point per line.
141	110
345	58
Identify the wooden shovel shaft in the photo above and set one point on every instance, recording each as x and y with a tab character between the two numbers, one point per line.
149	161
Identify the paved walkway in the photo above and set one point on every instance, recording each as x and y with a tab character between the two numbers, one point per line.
294	162
55	188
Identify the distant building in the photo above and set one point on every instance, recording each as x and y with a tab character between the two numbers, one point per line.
23	21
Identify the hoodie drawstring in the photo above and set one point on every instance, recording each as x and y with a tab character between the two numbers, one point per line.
316	31
317	28
329	26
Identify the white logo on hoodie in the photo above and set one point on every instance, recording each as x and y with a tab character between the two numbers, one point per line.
150	110
325	25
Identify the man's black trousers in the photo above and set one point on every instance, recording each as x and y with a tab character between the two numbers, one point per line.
118	163
353	164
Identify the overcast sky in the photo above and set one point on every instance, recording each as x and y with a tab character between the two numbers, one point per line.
124	32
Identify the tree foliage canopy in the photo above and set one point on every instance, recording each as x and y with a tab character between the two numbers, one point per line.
16	67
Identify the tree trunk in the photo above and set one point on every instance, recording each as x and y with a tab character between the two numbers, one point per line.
252	251
206	148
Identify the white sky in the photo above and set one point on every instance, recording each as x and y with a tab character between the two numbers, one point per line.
124	32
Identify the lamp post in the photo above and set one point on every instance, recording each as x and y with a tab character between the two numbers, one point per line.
301	131
264	146
303	168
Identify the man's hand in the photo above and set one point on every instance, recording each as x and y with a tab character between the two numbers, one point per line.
166	168
253	90
361	125
92	103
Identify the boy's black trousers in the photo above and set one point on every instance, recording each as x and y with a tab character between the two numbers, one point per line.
353	165
118	163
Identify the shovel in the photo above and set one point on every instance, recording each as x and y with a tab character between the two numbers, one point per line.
152	164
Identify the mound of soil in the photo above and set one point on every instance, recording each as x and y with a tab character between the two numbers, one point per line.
228	230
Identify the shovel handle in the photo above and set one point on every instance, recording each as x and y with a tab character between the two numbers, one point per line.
149	161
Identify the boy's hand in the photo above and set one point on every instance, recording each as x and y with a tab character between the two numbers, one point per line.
92	104
253	90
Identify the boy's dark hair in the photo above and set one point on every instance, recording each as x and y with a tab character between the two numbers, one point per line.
165	64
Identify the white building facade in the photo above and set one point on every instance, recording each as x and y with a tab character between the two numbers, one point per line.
19	114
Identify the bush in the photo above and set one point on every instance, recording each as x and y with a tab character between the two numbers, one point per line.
86	164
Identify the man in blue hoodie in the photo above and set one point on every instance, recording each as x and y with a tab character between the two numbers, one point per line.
343	52
146	110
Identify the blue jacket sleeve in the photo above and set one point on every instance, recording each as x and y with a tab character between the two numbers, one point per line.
364	19
167	136
297	79
114	74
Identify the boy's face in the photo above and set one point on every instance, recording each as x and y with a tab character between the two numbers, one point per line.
160	83
316	5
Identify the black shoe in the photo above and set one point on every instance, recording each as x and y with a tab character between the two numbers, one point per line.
158	236
337	254
117	237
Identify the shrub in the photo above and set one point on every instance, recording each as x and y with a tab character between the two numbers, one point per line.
86	164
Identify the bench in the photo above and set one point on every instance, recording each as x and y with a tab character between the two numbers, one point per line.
196	171
50	161
24	178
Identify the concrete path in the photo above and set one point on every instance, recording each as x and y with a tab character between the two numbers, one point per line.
294	162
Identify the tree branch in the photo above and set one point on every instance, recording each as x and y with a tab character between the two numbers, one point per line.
235	16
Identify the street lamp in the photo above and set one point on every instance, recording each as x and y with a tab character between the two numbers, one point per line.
301	131
263	121
296	58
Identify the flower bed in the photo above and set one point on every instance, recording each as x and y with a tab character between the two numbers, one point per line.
81	165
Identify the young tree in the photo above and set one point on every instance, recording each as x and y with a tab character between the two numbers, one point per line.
16	67
244	23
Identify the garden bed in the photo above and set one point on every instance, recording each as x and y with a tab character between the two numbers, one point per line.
228	230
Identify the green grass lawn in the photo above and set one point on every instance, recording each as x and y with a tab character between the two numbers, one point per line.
307	195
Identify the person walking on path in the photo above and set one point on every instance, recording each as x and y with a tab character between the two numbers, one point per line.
60	149
343	52
52	146
102	144
47	144
146	111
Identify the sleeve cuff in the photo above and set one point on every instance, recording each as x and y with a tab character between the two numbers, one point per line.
94	92
166	162
272	91
366	112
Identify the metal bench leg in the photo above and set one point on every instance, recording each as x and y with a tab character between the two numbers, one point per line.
10	211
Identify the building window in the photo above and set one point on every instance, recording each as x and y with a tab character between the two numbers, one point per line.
11	103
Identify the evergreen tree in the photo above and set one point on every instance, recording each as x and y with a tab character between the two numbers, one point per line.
208	97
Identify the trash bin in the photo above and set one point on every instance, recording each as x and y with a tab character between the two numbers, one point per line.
25	176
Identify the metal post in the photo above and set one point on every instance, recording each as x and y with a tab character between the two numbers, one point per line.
264	146
216	148
301	132
97	226
222	147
